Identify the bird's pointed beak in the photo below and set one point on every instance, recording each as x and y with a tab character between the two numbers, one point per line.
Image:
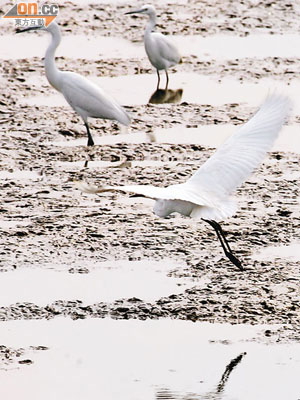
31	28
134	12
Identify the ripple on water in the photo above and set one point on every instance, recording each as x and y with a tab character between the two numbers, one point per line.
133	360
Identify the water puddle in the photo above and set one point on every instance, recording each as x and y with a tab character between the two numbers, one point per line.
215	135
53	99
227	47
30	44
104	282
7	225
132	90
71	165
149	360
205	135
291	252
138	137
221	46
20	175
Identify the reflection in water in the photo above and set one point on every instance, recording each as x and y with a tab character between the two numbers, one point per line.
166	394
230	367
161	96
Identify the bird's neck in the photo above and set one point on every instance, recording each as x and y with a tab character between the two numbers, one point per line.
52	72
150	27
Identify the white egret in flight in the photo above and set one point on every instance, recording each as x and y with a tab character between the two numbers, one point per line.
86	98
206	195
160	50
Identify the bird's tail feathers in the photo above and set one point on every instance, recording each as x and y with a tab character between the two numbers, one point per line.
226	209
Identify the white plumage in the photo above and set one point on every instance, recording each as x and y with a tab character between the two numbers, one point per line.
86	98
206	193
89	100
160	50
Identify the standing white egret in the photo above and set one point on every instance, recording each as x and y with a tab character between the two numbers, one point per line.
160	50
86	98
206	194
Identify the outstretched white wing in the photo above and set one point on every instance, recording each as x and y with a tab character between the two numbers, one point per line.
173	192
222	173
239	155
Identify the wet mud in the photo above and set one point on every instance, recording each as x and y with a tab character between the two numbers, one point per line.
46	221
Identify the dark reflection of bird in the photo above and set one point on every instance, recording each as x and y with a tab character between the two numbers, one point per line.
160	50
161	96
217	394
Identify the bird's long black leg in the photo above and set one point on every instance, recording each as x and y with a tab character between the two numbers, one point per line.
224	243
220	237
158	80
90	139
219	228
167	77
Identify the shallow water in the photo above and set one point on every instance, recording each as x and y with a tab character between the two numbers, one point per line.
147	360
228	47
215	135
65	165
7	225
138	137
103	282
19	175
95	47
29	44
134	90
207	135
134	360
290	252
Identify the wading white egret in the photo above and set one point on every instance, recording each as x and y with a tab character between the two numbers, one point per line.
160	50
206	195
85	97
